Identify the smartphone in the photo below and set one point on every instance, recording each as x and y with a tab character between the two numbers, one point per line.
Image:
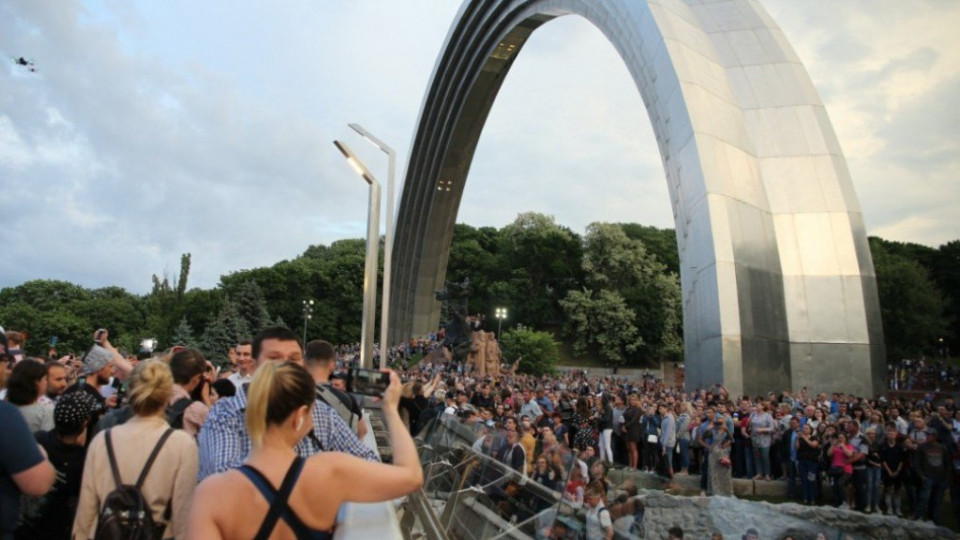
368	382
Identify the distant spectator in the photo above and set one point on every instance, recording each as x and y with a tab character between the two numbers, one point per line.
28	381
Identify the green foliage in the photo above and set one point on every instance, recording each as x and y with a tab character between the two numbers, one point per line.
224	332
538	262
615	291
251	305
662	243
631	306
911	305
183	335
164	304
601	324
539	351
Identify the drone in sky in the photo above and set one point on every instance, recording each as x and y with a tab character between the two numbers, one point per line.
28	64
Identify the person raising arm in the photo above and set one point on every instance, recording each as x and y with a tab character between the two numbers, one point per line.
310	490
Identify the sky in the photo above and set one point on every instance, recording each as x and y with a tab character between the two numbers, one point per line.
156	128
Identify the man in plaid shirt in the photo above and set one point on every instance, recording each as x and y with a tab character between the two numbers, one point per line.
224	440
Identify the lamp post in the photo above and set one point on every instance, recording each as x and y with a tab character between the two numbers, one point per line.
387	241
370	268
307	315
500	314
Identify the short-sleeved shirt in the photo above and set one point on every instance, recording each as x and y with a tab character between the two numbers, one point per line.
598	519
18	452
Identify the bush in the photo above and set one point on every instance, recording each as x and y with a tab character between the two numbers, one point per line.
538	350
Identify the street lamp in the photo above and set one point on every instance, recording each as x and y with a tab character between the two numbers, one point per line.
370	268
307	315
501	314
387	241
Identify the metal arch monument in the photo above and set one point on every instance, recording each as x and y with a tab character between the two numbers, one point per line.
778	285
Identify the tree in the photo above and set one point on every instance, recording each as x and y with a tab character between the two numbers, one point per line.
660	242
643	300
601	324
945	271
473	254
164	304
911	306
540	261
251	305
183	334
224	332
539	351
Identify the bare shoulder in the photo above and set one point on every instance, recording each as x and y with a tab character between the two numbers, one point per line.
223	486
326	463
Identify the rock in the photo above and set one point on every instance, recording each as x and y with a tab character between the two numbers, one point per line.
702	516
769	488
742	487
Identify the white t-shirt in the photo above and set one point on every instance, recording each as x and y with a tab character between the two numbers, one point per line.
598	519
239	380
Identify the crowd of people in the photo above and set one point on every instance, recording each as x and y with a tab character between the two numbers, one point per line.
166	447
196	439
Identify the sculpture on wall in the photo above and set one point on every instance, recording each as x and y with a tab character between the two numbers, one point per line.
478	352
492	355
454	299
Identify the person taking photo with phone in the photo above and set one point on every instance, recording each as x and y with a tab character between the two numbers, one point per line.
283	494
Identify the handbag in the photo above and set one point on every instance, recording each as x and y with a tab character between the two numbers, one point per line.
652	439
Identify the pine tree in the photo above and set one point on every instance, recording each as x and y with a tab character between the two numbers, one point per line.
183	334
224	332
251	305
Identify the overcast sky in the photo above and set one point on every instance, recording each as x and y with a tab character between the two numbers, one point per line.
152	129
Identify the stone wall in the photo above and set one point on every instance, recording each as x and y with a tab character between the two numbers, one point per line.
699	517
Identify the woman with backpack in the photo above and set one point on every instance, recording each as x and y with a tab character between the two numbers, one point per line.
284	495
142	464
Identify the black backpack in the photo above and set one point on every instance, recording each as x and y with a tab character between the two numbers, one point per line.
125	513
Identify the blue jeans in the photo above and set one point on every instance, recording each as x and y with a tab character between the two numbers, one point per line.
761	455
750	462
872	491
808	480
791	478
704	469
685	454
931	495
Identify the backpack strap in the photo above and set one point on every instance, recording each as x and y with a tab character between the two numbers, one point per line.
330	398
152	458
176	411
113	459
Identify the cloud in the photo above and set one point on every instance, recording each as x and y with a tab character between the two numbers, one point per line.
152	130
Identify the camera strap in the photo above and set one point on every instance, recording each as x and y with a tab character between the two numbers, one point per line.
330	397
